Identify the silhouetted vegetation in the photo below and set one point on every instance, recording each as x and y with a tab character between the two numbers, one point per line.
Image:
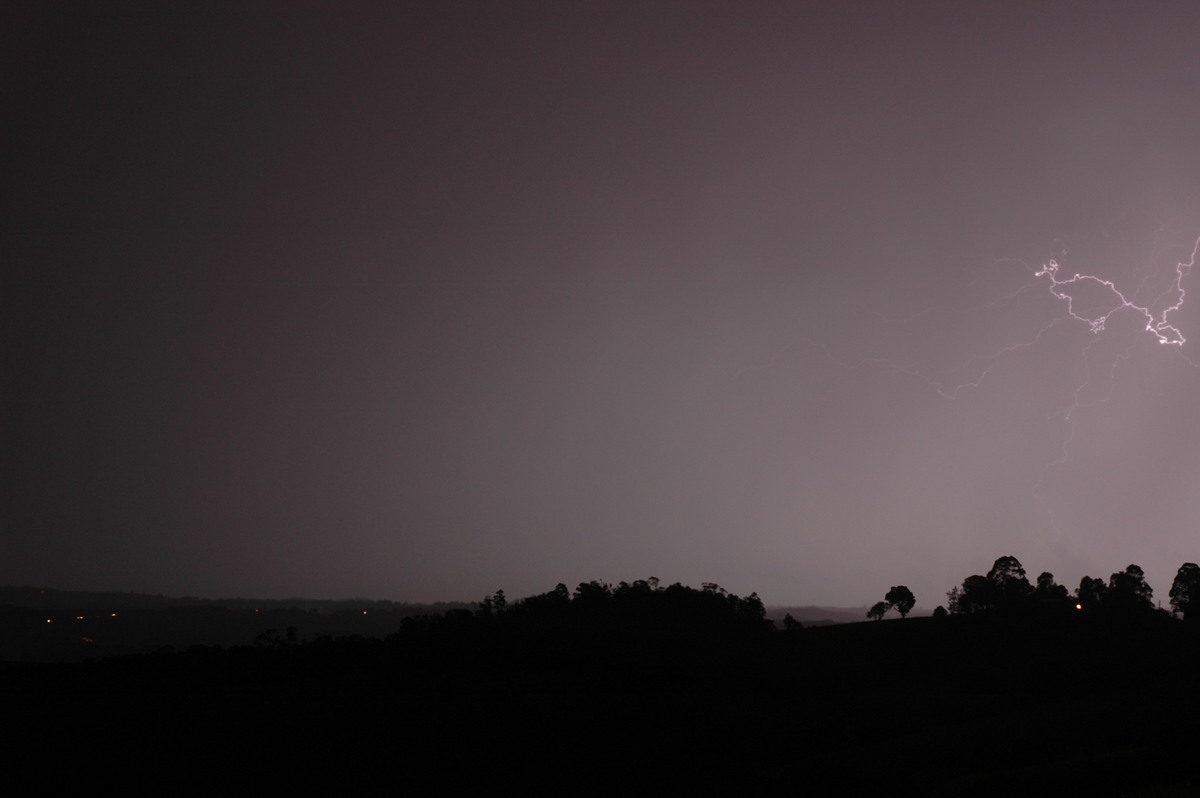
605	689
1005	590
1185	590
878	610
902	599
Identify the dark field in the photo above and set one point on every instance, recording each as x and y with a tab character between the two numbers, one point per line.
701	698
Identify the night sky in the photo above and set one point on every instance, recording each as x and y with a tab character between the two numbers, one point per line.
419	300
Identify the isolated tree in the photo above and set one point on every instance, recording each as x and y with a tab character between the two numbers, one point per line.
1185	590
878	610
1129	592
902	599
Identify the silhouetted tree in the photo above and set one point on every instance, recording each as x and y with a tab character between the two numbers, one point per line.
878	610
939	612
1185	590
1128	591
902	599
493	603
790	624
592	592
555	603
1004	588
1047	586
977	594
1090	593
1011	585
1050	595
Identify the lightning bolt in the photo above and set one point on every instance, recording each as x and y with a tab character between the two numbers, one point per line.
1156	323
1089	298
1170	300
1095	313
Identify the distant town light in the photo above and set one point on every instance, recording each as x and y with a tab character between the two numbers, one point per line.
1078	606
79	617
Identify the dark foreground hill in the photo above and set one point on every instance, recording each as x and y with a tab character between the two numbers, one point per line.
687	693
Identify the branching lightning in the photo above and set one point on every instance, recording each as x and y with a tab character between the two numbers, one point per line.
1089	299
1027	358
1156	323
1096	316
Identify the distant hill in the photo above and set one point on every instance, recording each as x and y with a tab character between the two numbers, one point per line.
85	601
47	625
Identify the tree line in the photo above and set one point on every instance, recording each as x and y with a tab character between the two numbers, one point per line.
1006	589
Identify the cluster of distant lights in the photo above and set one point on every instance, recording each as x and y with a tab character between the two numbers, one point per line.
82	617
114	615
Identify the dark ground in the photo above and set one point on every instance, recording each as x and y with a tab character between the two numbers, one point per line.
953	706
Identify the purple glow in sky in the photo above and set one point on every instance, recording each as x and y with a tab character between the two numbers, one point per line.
422	300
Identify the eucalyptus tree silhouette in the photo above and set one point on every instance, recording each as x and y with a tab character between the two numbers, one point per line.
1048	595
1008	578
1005	588
1129	592
977	594
1090	593
1185	590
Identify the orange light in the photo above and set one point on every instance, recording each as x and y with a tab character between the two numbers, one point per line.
364	612
1078	606
49	620
79	617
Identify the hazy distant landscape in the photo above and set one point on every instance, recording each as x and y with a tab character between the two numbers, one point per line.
47	625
